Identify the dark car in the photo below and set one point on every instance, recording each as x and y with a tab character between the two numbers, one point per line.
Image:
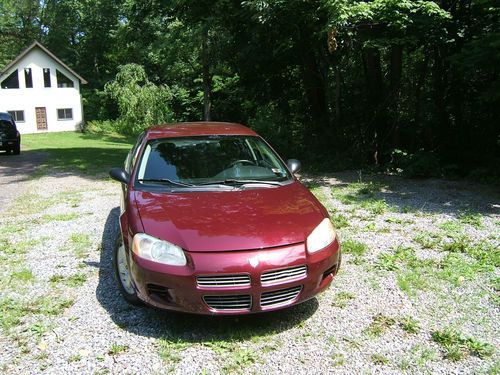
214	222
10	139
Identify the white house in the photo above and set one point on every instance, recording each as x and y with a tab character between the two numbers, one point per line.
41	92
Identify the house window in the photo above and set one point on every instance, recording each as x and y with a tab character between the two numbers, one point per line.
28	78
65	114
62	80
11	82
17	115
46	77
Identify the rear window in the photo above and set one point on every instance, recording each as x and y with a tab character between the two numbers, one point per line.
6	125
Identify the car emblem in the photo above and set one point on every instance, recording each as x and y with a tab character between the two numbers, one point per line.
254	262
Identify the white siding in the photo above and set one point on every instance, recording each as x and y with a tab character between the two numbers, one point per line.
26	99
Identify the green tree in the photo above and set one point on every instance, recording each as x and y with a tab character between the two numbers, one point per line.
141	103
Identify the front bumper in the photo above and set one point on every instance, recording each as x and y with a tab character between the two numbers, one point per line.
286	281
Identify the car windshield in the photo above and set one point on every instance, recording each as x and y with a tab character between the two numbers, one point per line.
205	160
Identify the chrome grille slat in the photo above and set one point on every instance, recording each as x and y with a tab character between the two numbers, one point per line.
283	275
229	302
220	281
278	297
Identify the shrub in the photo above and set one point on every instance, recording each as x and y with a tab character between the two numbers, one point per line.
420	164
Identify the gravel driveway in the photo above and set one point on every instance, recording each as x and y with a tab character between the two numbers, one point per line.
60	312
15	170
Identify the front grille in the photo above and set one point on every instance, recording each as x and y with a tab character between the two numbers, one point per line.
279	297
220	281
283	275
229	302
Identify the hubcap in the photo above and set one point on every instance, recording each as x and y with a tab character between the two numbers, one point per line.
123	271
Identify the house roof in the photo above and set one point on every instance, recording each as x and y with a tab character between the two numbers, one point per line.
34	45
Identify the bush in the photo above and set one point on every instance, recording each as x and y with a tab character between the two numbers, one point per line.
420	164
100	127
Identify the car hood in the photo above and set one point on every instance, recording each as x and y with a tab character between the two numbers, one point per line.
231	220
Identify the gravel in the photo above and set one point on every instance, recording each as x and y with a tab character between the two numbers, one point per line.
101	333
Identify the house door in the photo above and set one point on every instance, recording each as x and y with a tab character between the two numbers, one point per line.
41	118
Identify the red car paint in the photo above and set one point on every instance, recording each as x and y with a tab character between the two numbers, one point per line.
240	232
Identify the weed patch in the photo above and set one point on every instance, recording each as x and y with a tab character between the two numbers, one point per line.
456	346
428	240
355	248
169	350
379	359
341	299
409	325
116	349
379	325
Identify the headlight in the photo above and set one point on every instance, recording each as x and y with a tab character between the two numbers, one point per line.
159	251
322	236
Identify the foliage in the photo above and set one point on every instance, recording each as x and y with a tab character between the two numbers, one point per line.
409	86
141	103
418	164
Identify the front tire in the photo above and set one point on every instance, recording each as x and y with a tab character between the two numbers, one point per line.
122	273
17	149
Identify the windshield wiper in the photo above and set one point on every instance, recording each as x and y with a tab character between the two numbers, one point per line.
165	181
232	181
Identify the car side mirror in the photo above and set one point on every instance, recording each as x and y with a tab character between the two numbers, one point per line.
119	174
293	165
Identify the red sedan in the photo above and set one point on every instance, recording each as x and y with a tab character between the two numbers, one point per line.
214	222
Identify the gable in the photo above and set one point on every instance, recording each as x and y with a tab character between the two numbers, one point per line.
37	54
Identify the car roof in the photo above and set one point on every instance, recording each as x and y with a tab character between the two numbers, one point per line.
186	129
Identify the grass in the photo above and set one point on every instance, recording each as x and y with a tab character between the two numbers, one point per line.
355	248
428	240
59	217
470	218
79	243
456	346
419	355
379	359
338	359
451	227
116	349
409	325
87	153
362	195
379	325
73	281
341	299
13	311
239	361
169	350
401	256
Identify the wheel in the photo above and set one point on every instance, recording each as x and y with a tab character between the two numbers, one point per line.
241	161
122	274
17	149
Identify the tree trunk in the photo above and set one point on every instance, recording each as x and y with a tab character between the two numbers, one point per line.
338	82
207	79
375	96
422	68
440	113
396	70
315	94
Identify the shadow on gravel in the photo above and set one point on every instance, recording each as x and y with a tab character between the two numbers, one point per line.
173	326
425	195
18	168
